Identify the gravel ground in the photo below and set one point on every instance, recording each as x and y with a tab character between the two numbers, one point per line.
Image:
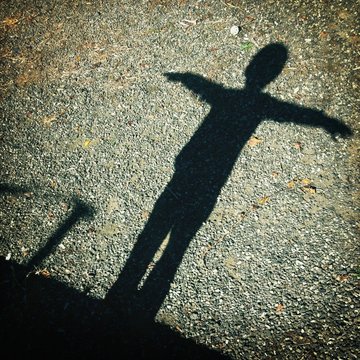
100	101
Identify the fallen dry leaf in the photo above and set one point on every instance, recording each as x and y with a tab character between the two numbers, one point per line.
305	182
342	278
309	189
291	184
253	141
343	15
64	206
298	146
48	120
279	308
22	80
354	39
86	143
24	251
264	200
10	21
145	214
29	76
53	184
43	272
324	35
307	186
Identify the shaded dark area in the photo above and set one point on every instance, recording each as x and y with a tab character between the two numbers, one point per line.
43	317
12	189
202	168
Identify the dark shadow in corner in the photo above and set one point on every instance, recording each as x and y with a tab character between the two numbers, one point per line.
201	169
44	318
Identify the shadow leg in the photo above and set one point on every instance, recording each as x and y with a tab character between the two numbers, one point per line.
154	232
157	284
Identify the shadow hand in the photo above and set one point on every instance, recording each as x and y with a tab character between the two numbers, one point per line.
174	76
338	129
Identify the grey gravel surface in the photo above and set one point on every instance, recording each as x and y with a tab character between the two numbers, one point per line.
92	127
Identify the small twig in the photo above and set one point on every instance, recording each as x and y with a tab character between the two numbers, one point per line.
188	23
230	5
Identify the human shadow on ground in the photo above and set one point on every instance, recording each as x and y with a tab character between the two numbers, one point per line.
42	317
201	169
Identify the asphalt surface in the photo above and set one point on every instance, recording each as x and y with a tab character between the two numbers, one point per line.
179	179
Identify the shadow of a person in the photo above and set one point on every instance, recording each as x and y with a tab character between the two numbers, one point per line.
202	168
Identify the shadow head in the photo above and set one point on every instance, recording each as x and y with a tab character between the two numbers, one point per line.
265	66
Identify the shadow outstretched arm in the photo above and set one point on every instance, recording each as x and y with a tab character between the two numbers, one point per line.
287	112
207	90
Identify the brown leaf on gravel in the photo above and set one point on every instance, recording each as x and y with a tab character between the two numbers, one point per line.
10	21
249	18
298	146
264	200
253	141
291	184
145	214
43	272
24	251
86	143
48	120
354	39
279	308
29	76
309	189
53	184
324	35
342	278
305	182
307	186
343	15
64	206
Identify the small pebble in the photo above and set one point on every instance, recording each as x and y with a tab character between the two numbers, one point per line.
234	30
